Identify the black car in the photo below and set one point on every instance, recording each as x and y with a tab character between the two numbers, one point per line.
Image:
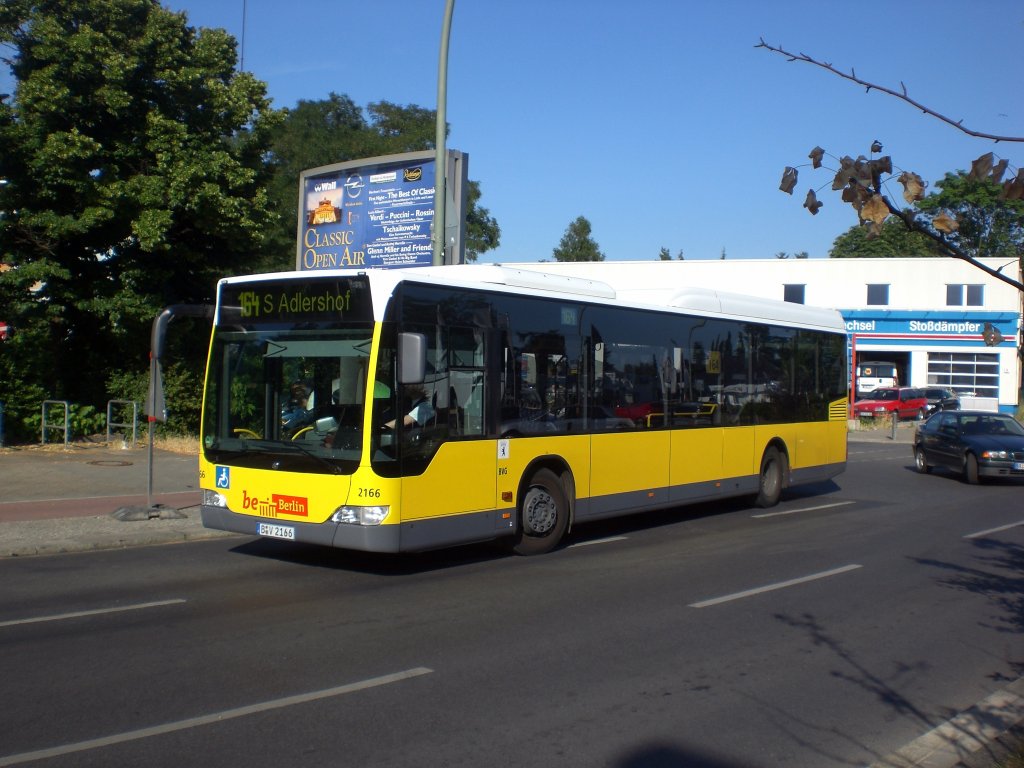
975	443
941	399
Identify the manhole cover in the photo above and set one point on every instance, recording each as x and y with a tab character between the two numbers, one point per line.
111	463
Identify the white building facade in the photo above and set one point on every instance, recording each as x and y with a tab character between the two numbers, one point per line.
940	321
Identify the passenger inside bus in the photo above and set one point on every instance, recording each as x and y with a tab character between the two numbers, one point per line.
295	413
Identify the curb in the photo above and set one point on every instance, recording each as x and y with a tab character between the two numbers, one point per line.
29	538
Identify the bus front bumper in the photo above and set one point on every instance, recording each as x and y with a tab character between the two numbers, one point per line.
366	538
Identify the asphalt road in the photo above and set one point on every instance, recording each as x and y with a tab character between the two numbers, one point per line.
833	630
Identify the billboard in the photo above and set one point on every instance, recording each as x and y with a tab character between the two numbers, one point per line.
378	212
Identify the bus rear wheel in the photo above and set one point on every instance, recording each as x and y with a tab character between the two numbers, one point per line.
543	515
769	489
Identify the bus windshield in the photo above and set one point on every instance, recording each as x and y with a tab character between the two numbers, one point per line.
294	398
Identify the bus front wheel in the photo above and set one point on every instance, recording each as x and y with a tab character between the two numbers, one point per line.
543	515
769	489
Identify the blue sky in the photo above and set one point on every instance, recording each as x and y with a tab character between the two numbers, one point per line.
658	120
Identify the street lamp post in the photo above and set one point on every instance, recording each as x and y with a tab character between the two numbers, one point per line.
441	160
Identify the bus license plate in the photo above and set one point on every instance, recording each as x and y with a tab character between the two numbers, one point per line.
276	531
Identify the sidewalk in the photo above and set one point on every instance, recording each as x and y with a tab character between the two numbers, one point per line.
58	499
882	433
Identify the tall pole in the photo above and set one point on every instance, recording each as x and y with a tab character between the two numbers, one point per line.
241	60
441	156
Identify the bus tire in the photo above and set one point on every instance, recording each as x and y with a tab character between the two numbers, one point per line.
769	487
543	515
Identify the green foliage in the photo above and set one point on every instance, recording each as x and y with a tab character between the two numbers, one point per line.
988	224
482	230
183	391
87	420
134	155
22	395
895	240
577	244
140	167
83	421
22	401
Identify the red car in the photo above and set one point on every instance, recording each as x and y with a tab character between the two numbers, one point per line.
908	402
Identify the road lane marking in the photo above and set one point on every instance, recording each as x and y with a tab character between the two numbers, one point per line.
773	587
96	612
214	717
1000	529
608	540
803	509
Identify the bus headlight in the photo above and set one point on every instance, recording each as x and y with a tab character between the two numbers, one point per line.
361	515
214	499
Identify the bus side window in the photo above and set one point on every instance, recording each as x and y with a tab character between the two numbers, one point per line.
469	389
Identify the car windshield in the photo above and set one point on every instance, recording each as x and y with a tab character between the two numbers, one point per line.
992	425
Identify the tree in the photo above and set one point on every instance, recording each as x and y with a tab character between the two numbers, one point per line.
863	184
893	240
335	130
988	224
133	158
665	255
482	230
577	244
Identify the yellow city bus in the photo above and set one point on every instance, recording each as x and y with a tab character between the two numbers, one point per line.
409	409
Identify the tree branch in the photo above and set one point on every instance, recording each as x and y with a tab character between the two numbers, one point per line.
911	223
902	95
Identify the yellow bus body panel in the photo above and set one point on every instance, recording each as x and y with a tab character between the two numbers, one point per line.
629	461
696	455
461	478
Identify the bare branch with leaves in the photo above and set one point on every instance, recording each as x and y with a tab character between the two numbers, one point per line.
862	181
902	94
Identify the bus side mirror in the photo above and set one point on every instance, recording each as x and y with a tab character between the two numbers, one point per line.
412	358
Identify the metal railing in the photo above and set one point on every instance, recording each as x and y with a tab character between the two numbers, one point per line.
134	424
66	426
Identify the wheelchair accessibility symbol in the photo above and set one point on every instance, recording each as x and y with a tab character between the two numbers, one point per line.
223	477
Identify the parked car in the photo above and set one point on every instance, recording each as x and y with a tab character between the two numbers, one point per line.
975	443
941	399
906	402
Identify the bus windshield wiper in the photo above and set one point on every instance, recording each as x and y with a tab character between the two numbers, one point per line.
297	446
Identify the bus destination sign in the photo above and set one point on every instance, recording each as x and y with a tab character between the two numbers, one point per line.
293	302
